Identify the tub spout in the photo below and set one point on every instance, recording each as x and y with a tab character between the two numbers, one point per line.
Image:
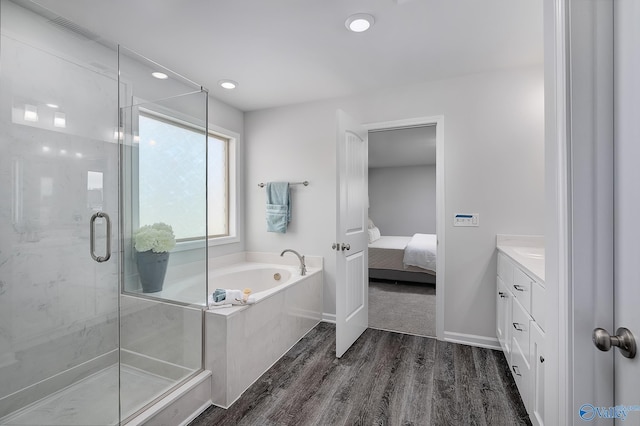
303	267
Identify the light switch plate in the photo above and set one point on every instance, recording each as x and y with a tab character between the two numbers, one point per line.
466	219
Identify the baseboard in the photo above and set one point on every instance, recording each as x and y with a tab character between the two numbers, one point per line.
472	340
329	318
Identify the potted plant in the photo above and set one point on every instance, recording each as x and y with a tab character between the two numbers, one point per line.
152	244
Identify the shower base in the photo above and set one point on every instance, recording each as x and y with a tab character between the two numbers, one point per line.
94	399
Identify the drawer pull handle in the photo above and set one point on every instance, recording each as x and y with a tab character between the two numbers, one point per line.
541	358
517	326
501	293
516	370
518	287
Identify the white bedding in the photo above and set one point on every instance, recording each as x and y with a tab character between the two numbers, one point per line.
389	251
421	251
391	242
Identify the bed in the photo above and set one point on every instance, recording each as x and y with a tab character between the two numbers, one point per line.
403	258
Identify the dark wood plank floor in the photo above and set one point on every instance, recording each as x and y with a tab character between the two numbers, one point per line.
384	379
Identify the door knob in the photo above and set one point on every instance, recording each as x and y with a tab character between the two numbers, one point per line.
623	339
340	246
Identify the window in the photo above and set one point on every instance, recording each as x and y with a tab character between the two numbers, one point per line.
174	177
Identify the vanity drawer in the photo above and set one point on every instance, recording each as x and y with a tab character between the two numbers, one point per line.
521	372
521	288
520	329
538	303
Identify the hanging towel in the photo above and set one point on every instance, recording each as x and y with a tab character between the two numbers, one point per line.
278	207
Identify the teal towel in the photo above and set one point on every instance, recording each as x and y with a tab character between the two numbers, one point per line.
219	295
278	207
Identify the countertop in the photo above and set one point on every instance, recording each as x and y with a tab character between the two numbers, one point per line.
526	250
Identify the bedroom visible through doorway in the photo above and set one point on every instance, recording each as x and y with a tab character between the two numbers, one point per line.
403	237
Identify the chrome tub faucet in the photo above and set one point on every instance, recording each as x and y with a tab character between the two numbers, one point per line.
303	267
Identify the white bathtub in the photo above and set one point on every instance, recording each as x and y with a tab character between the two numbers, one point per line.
260	277
242	342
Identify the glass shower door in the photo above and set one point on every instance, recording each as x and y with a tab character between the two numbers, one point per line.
59	334
163	133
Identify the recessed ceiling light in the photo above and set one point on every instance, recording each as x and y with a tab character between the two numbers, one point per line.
359	22
228	84
54	106
160	75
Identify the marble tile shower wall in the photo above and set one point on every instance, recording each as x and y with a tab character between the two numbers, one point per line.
58	308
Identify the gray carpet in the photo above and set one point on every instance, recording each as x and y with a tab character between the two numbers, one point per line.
403	307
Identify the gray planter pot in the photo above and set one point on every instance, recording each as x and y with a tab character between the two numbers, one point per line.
152	268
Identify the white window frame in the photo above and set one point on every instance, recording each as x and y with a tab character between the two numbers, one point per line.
233	176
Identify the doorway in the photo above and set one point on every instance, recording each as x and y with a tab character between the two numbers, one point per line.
406	232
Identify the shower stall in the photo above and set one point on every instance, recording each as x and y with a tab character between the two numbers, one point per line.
92	148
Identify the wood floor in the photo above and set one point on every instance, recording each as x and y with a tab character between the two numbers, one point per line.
384	379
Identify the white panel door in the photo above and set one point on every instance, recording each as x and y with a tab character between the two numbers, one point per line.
352	274
627	197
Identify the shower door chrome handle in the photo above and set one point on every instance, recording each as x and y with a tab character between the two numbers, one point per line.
92	237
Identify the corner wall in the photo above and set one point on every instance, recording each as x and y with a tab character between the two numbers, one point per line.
494	166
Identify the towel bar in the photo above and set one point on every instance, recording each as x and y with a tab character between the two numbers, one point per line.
305	183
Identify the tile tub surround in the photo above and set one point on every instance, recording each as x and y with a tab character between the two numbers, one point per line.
243	342
526	250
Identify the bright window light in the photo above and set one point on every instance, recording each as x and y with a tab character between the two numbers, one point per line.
60	119
30	113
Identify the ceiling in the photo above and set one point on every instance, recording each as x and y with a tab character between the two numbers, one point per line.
284	52
403	147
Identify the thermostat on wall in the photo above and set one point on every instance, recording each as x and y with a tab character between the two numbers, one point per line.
466	219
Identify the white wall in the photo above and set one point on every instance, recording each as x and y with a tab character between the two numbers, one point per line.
493	166
402	200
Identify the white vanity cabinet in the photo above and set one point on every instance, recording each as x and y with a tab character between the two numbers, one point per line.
520	330
503	304
536	398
